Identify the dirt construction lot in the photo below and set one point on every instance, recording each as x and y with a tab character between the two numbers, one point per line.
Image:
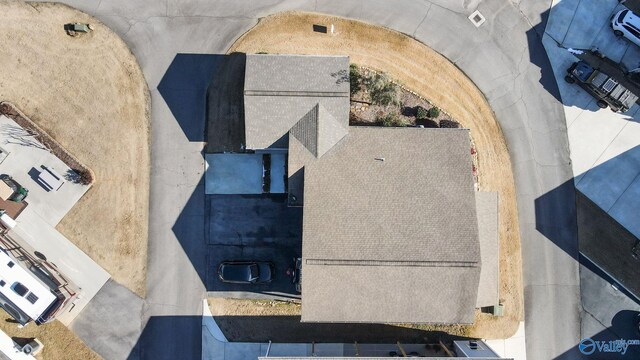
89	94
435	78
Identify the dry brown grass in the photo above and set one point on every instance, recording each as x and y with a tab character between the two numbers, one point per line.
59	342
89	94
431	75
229	307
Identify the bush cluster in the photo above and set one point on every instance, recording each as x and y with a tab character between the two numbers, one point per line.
382	90
421	113
354	78
391	119
434	112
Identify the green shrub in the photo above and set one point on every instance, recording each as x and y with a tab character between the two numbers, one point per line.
434	112
382	90
421	113
354	78
391	119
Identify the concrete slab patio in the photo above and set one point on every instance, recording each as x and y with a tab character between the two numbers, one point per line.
35	229
26	156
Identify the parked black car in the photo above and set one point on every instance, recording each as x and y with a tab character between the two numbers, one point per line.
246	272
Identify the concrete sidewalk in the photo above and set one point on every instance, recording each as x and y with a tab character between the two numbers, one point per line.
514	347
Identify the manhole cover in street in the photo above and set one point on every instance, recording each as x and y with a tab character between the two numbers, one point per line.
477	18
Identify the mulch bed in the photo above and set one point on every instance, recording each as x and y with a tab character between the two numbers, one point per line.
363	112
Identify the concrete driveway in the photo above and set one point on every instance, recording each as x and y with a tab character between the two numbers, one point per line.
253	227
504	57
605	150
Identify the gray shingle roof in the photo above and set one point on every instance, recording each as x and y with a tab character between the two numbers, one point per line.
281	90
266	73
318	131
389	294
380	235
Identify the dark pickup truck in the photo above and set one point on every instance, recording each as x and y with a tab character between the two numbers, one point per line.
605	80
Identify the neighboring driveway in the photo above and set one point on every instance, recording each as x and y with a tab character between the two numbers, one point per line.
605	146
608	314
504	57
253	227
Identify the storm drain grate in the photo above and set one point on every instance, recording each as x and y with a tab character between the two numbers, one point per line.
477	18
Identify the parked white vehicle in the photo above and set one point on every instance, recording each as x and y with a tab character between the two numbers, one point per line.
626	24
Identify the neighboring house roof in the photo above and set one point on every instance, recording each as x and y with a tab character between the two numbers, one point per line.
393	240
282	90
487	210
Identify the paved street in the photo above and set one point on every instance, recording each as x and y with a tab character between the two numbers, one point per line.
504	57
608	314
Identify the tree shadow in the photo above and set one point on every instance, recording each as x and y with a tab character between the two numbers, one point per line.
17	135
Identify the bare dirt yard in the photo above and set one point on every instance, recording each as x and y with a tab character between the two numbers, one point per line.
89	94
429	74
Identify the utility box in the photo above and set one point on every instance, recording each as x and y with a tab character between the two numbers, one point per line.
498	310
75	29
33	347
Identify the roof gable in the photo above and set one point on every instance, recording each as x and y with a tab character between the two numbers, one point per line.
318	131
